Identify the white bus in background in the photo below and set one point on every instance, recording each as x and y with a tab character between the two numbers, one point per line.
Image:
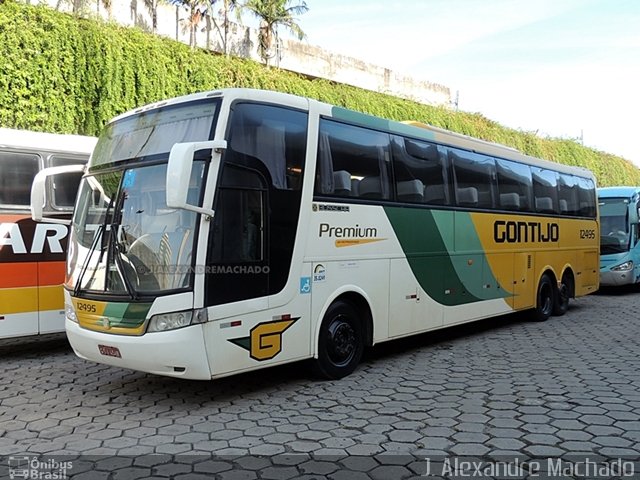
32	255
227	231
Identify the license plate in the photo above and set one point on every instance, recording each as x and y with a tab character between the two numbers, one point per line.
108	351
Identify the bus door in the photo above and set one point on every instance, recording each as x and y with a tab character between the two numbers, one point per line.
252	238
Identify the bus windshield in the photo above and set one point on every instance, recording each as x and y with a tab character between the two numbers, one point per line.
614	225
154	132
124	238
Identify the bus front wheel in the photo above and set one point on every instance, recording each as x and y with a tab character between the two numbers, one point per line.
544	299
341	341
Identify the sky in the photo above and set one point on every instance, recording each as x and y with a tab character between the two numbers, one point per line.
561	68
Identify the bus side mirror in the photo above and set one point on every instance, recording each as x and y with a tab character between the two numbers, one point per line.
179	173
39	191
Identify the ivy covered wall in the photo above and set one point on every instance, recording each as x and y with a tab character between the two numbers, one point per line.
63	74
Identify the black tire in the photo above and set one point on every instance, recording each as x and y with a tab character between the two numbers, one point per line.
545	299
562	296
341	341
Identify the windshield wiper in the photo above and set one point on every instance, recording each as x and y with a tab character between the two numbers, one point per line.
85	265
99	236
115	246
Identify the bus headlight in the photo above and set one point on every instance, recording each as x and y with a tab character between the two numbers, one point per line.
623	267
70	313
174	320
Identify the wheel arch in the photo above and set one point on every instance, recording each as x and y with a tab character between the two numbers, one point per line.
549	271
568	270
360	300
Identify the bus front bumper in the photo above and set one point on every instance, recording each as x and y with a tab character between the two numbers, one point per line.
614	279
178	353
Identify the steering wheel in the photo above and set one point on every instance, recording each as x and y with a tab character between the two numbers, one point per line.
618	235
142	256
140	242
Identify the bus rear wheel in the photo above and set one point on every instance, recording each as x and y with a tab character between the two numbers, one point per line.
561	304
341	341
545	299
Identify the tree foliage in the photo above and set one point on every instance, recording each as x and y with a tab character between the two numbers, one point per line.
273	13
59	73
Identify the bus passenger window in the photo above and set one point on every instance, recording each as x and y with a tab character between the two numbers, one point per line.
352	162
65	186
271	139
420	172
514	185
568	193
545	190
587	197
17	171
473	171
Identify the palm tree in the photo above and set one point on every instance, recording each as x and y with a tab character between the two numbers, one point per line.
152	8
228	7
197	10
271	14
81	7
107	5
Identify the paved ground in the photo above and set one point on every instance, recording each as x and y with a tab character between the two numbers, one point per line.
505	389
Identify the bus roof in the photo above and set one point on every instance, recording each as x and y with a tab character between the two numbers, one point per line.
411	128
618	192
26	139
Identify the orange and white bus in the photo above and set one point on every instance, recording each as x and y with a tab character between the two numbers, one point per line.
32	255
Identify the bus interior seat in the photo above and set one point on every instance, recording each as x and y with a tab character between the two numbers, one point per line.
370	187
410	191
435	194
564	206
468	196
544	204
510	201
341	182
355	184
485	199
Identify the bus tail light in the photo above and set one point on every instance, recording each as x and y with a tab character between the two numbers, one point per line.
175	320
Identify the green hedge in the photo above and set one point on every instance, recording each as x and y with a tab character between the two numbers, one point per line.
59	73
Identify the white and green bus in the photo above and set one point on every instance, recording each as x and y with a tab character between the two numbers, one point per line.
231	230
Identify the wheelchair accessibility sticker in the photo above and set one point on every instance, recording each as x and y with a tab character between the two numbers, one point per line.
305	284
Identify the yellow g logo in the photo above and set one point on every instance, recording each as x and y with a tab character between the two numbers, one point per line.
265	339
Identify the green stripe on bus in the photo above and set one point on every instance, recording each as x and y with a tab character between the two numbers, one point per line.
474	279
377	123
446	278
127	315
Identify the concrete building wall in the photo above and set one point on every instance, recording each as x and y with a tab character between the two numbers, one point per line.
290	55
